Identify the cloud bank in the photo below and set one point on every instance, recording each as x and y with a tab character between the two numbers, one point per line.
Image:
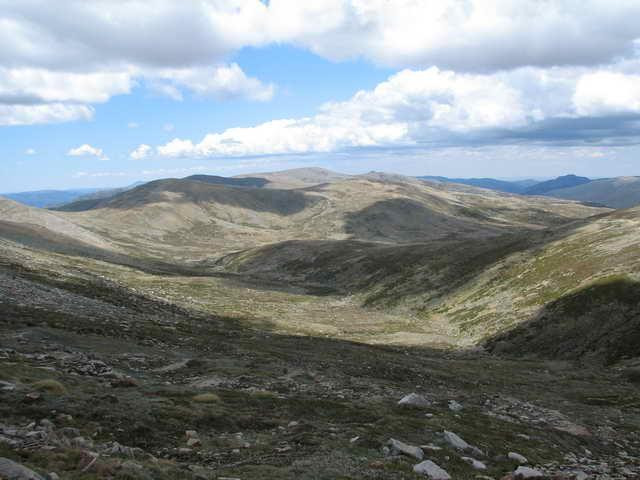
486	72
432	107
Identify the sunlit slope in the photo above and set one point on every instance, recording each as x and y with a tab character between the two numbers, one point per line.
197	220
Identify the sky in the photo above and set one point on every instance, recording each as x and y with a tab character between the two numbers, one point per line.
110	92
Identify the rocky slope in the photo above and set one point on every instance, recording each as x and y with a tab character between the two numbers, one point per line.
196	330
102	381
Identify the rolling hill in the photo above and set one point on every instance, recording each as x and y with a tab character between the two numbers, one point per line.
566	181
508	186
618	192
283	326
202	219
475	263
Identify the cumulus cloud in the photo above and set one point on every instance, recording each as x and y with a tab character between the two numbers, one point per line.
432	107
20	114
224	81
474	34
548	59
605	93
86	150
142	151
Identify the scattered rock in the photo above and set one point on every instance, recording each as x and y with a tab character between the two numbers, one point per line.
193	442
10	470
32	397
572	428
527	472
397	446
430	446
477	464
517	457
458	443
431	470
6	386
455	406
414	400
455	441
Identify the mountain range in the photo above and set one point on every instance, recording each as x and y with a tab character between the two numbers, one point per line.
307	320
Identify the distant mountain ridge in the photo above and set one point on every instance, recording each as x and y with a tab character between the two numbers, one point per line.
617	192
508	186
58	198
49	198
565	181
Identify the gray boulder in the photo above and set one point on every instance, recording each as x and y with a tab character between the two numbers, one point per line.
527	472
10	470
414	400
517	457
396	446
431	470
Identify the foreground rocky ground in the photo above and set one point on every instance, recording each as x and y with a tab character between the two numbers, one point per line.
99	381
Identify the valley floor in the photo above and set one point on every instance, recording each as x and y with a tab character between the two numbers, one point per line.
106	371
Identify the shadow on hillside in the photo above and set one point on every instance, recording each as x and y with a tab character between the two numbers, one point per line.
256	182
599	322
40	238
282	202
403	220
389	273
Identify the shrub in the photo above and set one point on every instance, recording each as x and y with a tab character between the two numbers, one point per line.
206	398
50	386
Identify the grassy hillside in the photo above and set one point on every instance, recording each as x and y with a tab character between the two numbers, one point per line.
195	220
115	370
600	320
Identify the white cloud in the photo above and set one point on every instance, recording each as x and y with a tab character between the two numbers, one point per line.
86	150
22	85
464	35
605	93
223	81
426	107
133	125
43	113
168	127
142	151
56	61
30	151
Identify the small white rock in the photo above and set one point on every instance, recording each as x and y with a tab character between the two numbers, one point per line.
400	447
431	446
431	470
455	441
527	472
517	457
414	400
455	406
477	464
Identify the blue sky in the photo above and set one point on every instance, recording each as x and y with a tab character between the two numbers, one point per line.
245	86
